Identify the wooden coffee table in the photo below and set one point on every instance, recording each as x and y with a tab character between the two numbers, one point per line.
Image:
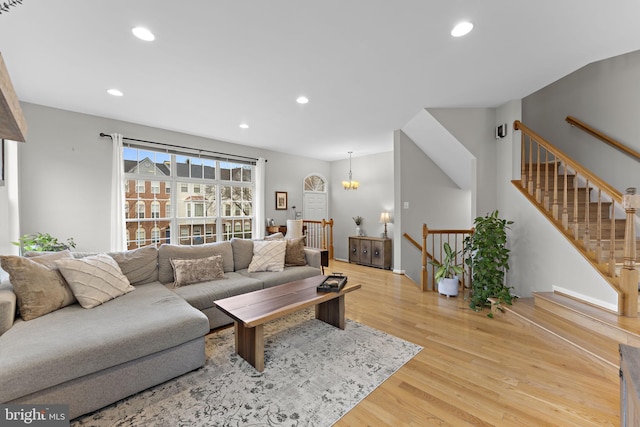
252	310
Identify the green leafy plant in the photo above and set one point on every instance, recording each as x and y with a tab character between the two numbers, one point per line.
43	242
487	255
357	220
448	268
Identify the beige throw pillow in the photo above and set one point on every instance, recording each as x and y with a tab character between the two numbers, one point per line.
95	279
295	252
190	271
37	283
268	255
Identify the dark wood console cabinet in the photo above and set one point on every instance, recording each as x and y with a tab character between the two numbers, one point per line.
370	251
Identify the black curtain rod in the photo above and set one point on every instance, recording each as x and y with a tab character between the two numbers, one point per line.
223	155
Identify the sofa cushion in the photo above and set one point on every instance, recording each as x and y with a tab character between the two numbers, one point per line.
73	342
295	252
37	283
268	255
95	279
189	271
139	265
202	295
168	251
242	253
289	274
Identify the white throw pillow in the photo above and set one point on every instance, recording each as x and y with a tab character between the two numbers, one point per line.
95	279
268	255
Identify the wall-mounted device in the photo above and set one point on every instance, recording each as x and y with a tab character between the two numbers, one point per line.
501	131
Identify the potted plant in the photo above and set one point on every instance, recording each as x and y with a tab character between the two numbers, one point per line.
358	221
446	273
487	255
43	242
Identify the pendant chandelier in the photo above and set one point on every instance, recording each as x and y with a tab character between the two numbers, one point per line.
351	184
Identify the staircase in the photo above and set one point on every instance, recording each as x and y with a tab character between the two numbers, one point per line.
596	218
600	223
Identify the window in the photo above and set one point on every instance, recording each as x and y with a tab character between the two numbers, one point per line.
155	235
140	209
126	210
141	237
209	191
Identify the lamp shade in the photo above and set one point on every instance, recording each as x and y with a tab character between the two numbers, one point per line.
294	228
384	217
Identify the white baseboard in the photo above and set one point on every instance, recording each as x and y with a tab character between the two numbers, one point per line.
604	304
398	271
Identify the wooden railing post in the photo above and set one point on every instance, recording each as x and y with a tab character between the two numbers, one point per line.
629	274
424	280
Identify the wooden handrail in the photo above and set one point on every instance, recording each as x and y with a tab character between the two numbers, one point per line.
571	212
412	241
602	137
577	167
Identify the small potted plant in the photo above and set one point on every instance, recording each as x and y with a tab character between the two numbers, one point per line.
358	221
446	273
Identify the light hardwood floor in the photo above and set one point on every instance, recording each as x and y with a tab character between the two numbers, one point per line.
473	371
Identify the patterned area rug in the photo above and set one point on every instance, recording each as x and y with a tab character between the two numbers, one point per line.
314	374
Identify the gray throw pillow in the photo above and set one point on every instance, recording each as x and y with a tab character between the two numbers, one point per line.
167	251
190	271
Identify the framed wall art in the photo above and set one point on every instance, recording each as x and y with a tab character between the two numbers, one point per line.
281	200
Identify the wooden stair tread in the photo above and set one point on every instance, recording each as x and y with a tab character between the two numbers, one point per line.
594	344
629	325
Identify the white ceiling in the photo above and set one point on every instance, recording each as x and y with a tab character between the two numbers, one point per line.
367	66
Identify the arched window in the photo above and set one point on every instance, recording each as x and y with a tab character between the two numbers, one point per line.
155	235
141	236
315	183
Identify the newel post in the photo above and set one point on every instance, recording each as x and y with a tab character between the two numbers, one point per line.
629	274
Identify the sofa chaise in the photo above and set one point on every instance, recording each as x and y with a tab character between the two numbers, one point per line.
89	358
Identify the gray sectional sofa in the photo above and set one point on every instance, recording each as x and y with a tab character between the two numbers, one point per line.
90	358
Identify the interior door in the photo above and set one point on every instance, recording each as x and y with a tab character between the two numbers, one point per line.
315	206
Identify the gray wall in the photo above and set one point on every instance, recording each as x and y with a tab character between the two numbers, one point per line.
475	129
433	199
376	174
604	94
65	170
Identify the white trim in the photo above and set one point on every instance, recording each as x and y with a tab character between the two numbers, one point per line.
586	298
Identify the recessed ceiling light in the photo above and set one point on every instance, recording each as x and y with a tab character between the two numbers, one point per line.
302	100
143	34
115	92
462	29
244	126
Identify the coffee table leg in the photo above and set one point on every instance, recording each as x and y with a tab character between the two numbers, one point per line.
250	345
332	312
